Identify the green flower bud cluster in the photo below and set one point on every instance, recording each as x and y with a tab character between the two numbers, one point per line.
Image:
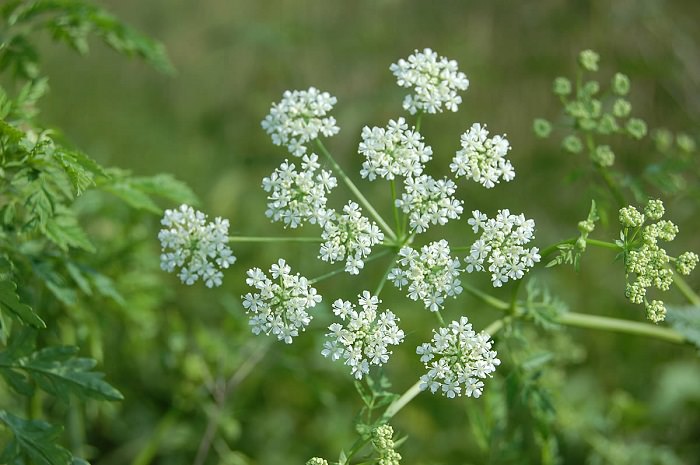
591	111
317	461
384	445
645	259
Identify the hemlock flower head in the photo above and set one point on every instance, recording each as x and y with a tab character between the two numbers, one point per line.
501	246
646	263
436	82
457	359
198	248
383	443
433	274
279	303
299	118
298	196
393	151
364	337
317	461
428	201
349	237
483	159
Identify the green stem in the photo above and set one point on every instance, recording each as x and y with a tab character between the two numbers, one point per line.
273	239
622	326
380	286
419	119
397	220
361	198
594	242
402	401
496	326
686	290
486	298
340	270
593	321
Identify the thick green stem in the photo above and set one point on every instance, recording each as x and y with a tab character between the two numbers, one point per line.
486	298
402	401
273	239
622	326
361	198
686	290
594	242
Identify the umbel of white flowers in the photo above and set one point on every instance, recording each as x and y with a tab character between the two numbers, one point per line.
279	303
364	337
198	248
457	359
299	196
299	118
435	82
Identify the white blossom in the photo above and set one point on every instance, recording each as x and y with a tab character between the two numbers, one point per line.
500	246
433	274
457	359
198	248
435	82
393	151
483	159
364	336
299	118
349	237
429	201
298	196
279	303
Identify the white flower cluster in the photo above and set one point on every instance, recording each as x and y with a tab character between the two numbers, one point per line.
298	196
198	248
428	201
365	337
435	82
457	358
432	273
393	151
279	304
349	237
483	159
299	118
501	245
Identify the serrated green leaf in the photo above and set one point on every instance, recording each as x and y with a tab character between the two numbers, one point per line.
57	371
64	231
9	300
134	197
34	439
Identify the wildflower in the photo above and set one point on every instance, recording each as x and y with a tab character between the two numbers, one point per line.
364	338
501	246
299	118
317	461
349	237
428	201
432	273
482	158
646	263
279	303
620	84
298	196
588	59
198	248
435	82
561	86
393	151
382	440
457	359
603	156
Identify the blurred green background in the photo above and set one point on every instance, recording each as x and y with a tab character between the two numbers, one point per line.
233	59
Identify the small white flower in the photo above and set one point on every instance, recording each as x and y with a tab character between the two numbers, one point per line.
299	118
278	305
457	359
349	237
428	201
500	248
198	248
482	159
433	274
435	82
393	151
364	337
298	196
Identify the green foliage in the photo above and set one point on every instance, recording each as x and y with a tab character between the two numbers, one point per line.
35	440
570	252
